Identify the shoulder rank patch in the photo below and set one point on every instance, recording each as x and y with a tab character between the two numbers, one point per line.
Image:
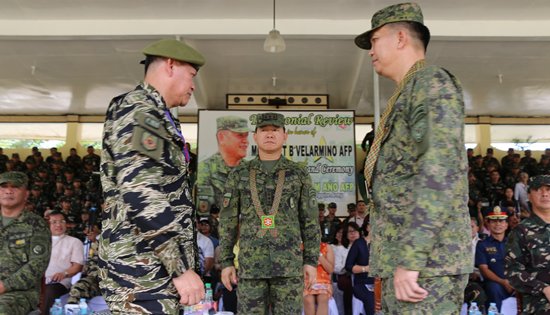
149	141
226	199
20	242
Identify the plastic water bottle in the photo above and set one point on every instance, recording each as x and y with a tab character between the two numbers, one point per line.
83	306
208	299
493	310
473	310
57	308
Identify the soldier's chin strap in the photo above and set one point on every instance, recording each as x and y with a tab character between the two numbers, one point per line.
185	151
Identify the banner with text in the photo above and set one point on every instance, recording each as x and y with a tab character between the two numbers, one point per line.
321	140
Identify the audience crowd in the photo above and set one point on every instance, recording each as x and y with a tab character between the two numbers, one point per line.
67	193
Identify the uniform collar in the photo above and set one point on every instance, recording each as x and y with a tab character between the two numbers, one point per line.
281	164
155	94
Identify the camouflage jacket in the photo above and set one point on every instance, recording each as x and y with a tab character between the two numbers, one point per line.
212	175
420	218
527	263
297	222
148	234
25	248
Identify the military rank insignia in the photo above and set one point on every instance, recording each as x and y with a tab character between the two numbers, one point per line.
491	250
149	141
38	250
268	221
226	199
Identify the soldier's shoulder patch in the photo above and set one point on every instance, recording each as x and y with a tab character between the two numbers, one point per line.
149	141
313	198
147	120
226	199
419	131
146	142
38	250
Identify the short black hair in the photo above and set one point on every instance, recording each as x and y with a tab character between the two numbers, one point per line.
57	212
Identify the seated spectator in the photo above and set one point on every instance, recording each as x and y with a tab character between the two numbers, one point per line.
206	230
67	260
87	286
361	213
352	212
528	164
520	191
513	220
543	167
489	258
206	254
509	201
527	258
357	263
474	291
329	223
340	255
317	295
25	246
494	188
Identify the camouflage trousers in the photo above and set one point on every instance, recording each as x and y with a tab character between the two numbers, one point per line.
17	303
87	288
156	307
445	296
284	296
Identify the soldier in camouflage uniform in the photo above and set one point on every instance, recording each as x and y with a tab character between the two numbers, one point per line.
88	285
25	245
273	202
148	249
417	172
232	137
527	262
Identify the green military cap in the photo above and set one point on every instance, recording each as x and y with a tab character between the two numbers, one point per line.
403	12
539	181
233	123
270	119
19	179
175	49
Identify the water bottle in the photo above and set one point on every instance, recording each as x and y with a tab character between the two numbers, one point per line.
57	308
493	310
473	310
208	300
83	306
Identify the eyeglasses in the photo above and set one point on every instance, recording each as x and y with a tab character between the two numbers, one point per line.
353	231
58	222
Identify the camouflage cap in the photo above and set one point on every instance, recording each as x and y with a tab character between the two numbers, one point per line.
497	214
332	205
175	49
270	119
403	12
539	181
233	123
19	179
